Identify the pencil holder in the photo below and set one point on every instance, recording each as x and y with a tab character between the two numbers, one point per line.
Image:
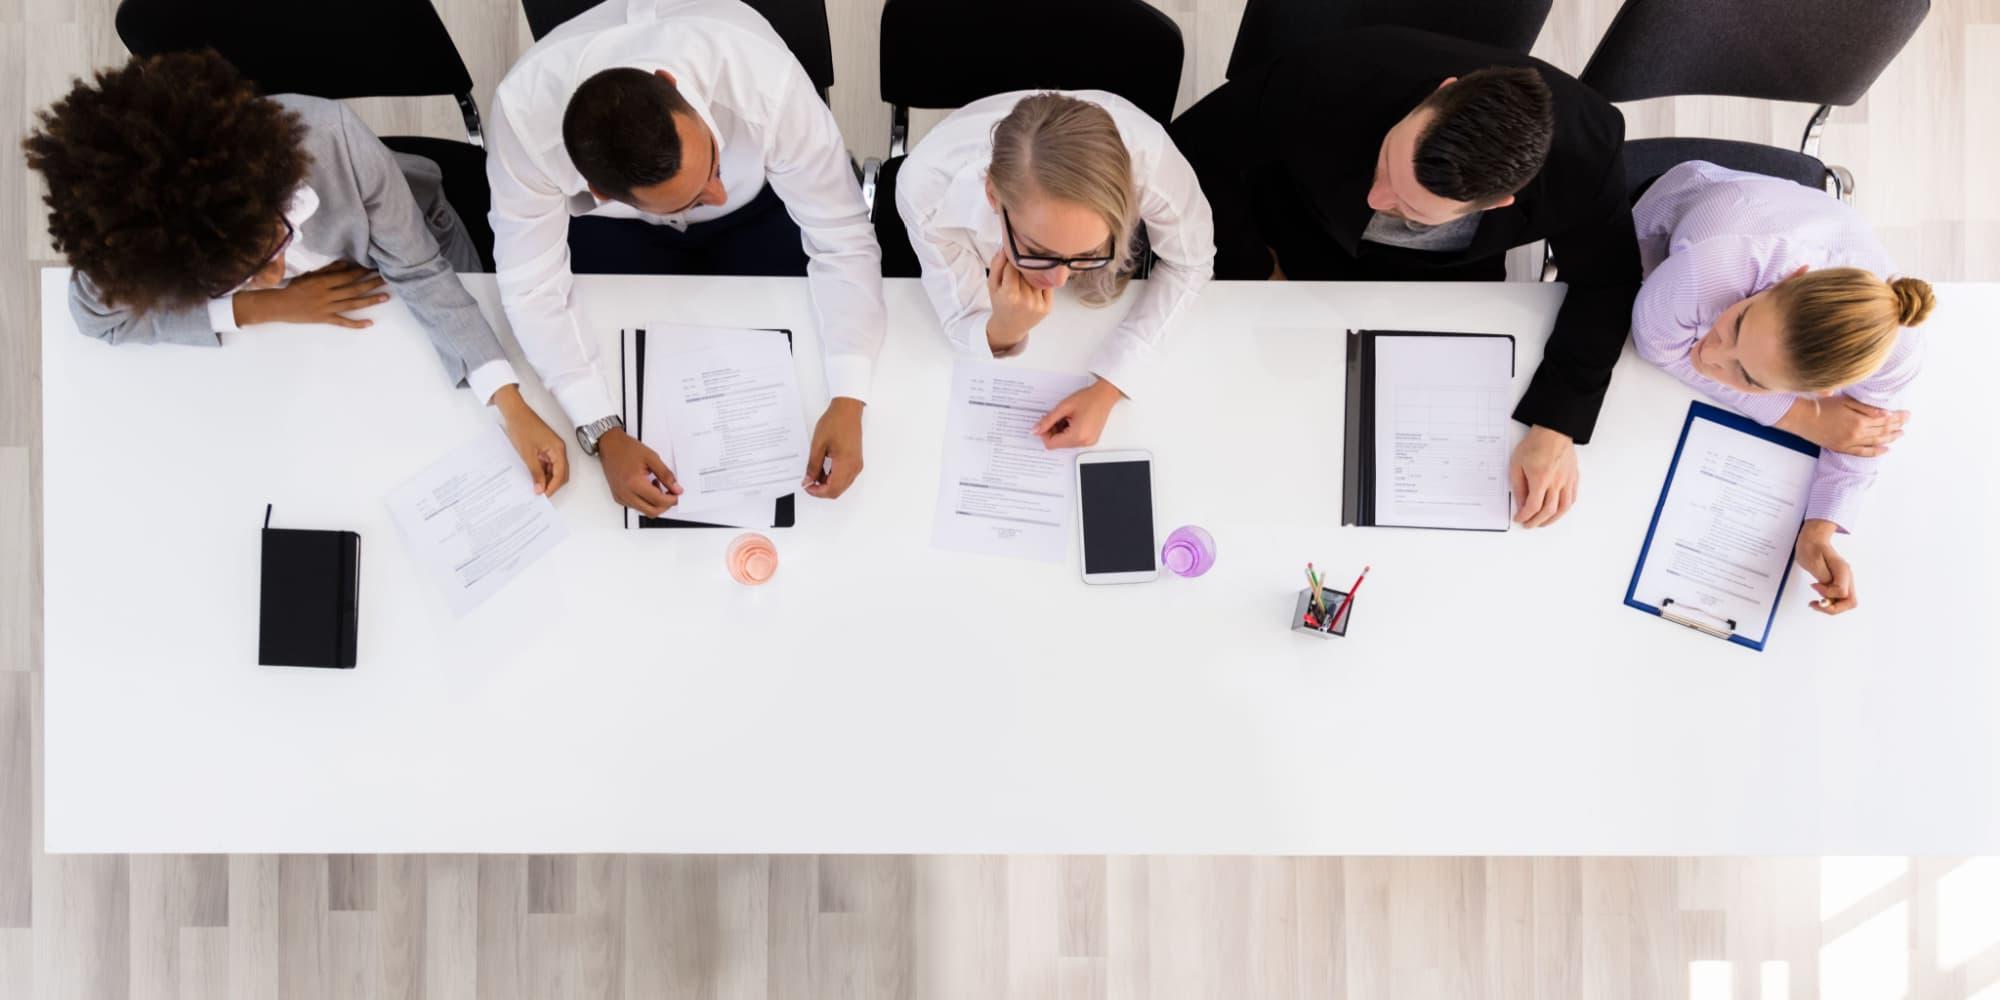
1311	622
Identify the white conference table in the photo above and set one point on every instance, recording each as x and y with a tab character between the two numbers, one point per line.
1493	696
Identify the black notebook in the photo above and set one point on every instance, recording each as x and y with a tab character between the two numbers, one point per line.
631	363
1428	420
311	586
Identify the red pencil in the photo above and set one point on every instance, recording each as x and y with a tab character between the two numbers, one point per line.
1341	615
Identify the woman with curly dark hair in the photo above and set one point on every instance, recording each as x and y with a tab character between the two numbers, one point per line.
191	207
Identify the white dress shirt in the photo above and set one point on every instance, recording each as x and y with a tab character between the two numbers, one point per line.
941	195
770	126
484	380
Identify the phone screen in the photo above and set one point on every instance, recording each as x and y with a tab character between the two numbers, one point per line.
1117	516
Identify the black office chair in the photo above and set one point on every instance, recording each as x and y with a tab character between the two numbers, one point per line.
1124	46
1267	24
1824	52
364	48
801	23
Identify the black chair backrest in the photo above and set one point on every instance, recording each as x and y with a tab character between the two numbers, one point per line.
356	48
801	23
1814	51
1267	24
1123	46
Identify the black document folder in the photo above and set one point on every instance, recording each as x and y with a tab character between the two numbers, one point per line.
1450	431
632	365
311	589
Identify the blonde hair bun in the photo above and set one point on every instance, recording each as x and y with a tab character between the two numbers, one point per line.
1914	300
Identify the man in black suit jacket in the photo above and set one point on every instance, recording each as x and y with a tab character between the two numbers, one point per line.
1389	154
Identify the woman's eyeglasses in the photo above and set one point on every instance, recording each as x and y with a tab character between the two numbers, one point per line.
284	242
1044	262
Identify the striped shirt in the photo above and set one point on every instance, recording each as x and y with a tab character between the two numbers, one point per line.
1710	237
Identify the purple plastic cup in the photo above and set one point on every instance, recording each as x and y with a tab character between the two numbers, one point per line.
1189	551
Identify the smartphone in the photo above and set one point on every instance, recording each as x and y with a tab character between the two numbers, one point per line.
1114	498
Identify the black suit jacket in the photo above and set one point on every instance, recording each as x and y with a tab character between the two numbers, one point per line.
1286	154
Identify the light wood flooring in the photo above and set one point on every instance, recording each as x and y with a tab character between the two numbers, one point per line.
1924	145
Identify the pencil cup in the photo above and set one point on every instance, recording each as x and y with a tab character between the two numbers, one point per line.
752	559
1189	551
1311	622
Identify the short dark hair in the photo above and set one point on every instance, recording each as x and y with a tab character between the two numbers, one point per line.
619	130
1488	135
166	177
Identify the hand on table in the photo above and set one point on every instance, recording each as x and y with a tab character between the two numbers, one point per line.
1833	578
636	475
836	439
541	449
320	296
1845	425
1079	418
1017	305
1544	476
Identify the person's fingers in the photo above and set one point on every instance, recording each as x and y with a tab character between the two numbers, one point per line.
359	281
359	300
645	496
845	470
1843	577
1565	497
1052	418
1531	495
816	459
1517	480
1863	408
537	473
1068	437
660	471
349	322
1549	496
558	460
1538	505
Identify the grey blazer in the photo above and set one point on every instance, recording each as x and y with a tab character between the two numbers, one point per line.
383	210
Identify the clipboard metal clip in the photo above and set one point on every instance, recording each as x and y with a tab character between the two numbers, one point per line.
1697	619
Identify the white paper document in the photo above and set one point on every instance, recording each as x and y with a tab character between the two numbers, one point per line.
722	408
1723	543
1001	492
1441	431
473	521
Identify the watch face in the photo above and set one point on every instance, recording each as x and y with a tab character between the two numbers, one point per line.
585	441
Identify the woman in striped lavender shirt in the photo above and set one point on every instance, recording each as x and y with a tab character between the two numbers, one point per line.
1773	299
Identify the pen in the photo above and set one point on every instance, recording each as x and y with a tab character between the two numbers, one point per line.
1344	605
1312	580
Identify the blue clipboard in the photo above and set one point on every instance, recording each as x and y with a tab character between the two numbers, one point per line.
1703	411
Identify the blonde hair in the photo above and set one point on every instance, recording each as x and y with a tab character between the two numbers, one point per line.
1841	322
1070	150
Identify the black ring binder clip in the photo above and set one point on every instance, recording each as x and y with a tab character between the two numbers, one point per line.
1667	611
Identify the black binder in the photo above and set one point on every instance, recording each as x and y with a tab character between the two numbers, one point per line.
632	353
310	591
1357	480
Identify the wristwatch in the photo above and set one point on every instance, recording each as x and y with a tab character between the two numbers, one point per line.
589	433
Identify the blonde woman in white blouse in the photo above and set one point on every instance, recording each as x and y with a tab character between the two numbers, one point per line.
1013	198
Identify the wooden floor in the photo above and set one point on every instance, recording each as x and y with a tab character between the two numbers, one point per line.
1924	145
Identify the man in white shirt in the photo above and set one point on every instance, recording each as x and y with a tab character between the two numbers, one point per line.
669	131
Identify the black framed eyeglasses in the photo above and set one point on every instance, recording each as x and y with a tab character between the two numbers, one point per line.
1044	262
284	242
